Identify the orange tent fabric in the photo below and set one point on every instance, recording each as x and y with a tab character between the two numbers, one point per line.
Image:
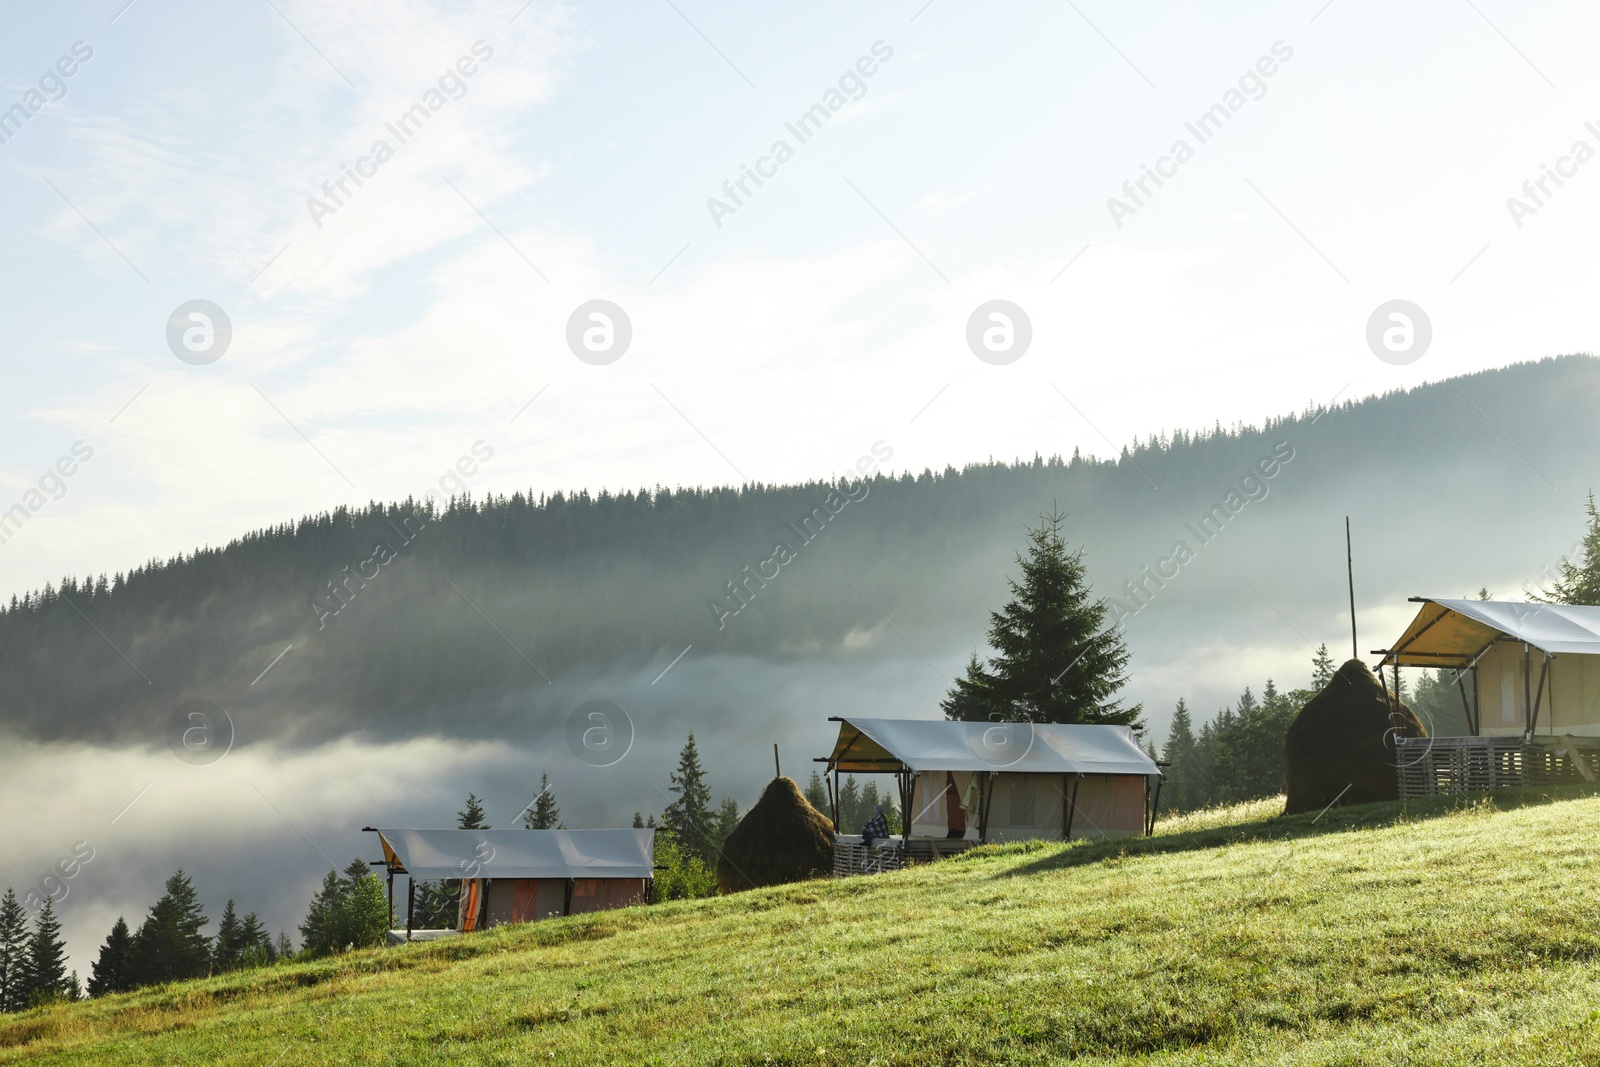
471	894
524	900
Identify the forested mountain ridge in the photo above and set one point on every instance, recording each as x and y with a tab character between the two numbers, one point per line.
411	617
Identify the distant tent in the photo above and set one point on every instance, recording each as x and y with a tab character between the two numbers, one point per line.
1341	745
513	876
782	839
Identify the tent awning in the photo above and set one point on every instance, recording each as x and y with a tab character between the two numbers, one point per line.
1453	633
866	746
441	854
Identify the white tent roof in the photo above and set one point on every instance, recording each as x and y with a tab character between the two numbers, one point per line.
887	745
439	854
1451	633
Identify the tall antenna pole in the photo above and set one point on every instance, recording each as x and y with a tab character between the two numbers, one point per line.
1350	570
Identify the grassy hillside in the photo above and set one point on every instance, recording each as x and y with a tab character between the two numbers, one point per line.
1435	933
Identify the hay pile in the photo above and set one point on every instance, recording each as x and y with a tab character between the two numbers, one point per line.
782	839
1345	737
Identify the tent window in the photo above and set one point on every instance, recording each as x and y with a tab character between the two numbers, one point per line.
1021	800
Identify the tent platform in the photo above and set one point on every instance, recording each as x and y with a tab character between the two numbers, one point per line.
852	856
1438	766
399	937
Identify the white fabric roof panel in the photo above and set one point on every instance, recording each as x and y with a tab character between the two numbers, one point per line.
1018	748
1458	629
439	854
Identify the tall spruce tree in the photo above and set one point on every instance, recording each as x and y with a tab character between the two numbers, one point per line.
473	818
1322	667
1579	582
1056	659
113	970
723	823
228	948
13	954
817	793
320	933
688	818
543	813
1180	792
47	957
169	946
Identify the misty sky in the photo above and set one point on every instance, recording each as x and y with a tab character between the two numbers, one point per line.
373	345
378	335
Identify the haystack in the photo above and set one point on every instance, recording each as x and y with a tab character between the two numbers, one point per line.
1341	745
782	839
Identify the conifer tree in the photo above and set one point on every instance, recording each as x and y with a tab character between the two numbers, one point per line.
688	818
473	817
543	813
1180	791
727	818
73	989
169	945
13	954
320	933
1056	659
47	957
817	792
1579	582
257	944
1322	668
638	821
850	805
113	970
228	947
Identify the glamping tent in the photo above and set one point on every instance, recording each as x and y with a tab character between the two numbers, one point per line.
971	782
1536	666
1533	705
510	876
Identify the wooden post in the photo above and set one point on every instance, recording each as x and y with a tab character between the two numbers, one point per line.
1350	570
391	897
1072	804
1066	811
411	902
1527	686
777	771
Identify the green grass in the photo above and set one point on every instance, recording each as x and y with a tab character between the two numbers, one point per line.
1441	932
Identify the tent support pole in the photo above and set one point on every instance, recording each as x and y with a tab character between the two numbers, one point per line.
1527	687
391	898
1155	804
1466	708
907	781
1477	701
1072	804
984	797
1066	810
1538	699
411	903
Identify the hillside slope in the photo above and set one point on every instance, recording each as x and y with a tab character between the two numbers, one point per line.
1439	933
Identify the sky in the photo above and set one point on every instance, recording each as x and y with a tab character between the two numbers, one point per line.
377	337
1356	155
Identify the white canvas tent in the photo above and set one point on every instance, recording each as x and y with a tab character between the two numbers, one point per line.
1003	781
523	875
1536	667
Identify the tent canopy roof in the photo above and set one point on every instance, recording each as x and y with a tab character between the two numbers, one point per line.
891	745
1453	633
441	854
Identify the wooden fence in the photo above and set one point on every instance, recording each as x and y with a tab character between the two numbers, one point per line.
1435	766
852	856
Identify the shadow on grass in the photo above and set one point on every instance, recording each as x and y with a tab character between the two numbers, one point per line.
1278	828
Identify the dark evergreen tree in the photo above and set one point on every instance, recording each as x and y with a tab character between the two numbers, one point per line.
638	821
817	793
228	947
1322	667
320	933
688	818
113	970
73	989
1578	581
13	954
473	817
282	948
850	805
543	813
727	817
169	946
47	957
1180	792
1055	658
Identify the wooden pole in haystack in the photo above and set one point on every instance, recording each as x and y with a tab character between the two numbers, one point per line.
1350	571
777	771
